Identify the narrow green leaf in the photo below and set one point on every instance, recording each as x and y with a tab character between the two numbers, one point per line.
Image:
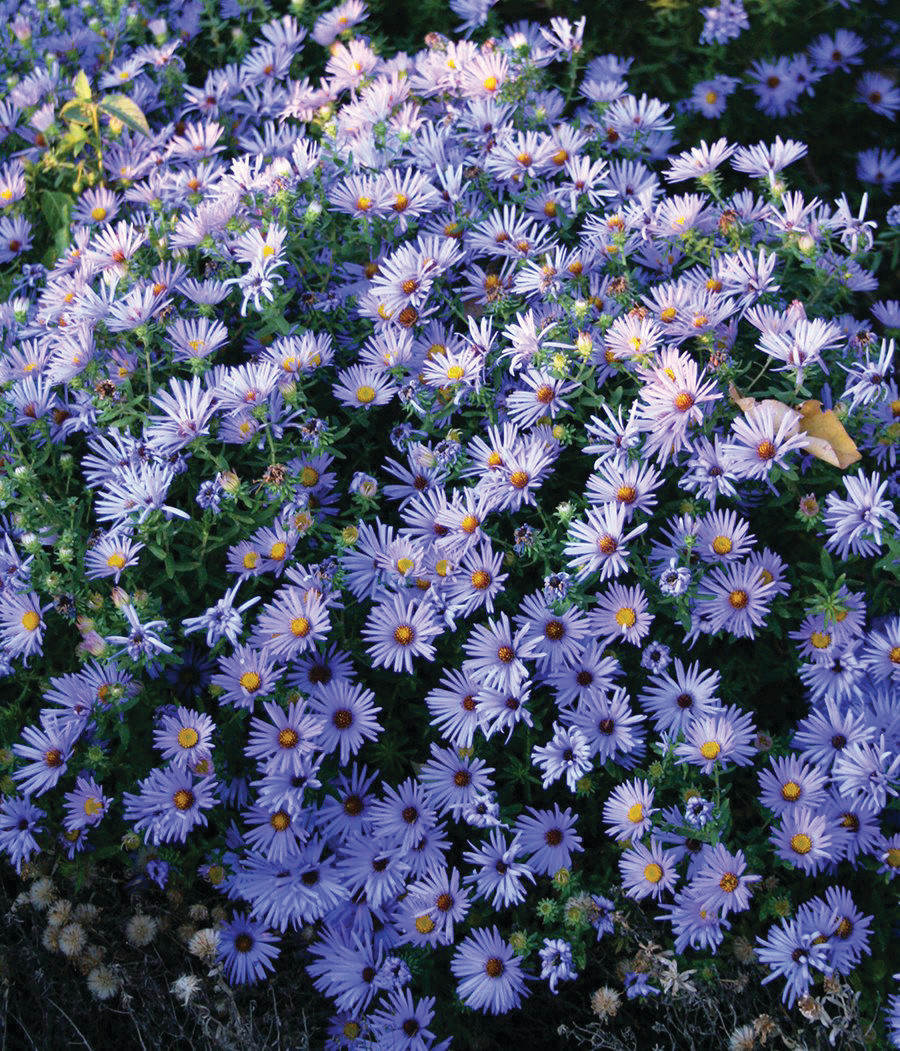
123	109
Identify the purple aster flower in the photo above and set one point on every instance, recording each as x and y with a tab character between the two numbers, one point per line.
789	783
498	875
790	952
735	599
489	973
855	525
402	1022
170	804
823	735
725	738
49	749
674	701
761	443
349	714
86	805
871	769
21	624
556	962
612	729
399	629
628	809
622	613
403	815
187	412
19	824
291	624
286	740
599	543
497	656
589	676
550	837
694	923
453	706
722	882
566	755
245	676
637	984
452	781
847	928
437	895
185	736
222	621
246	950
112	553
649	871
804	839
142	640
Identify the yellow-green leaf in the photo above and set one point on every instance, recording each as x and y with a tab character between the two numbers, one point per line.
82	86
126	111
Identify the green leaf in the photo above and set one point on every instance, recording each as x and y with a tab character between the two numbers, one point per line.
82	85
129	113
827	565
57	209
78	111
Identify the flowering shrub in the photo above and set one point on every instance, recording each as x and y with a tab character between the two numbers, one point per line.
433	528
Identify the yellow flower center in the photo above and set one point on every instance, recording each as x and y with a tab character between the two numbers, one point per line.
365	394
288	738
250	681
424	924
635	813
820	639
30	620
738	599
710	749
721	545
653	873
455	372
490	84
729	883
791	791
403	635
300	627
801	843
183	799
894	655
116	561
92	806
404	565
626	617
250	560
188	737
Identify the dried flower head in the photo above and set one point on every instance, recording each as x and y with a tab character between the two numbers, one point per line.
60	913
185	988
605	1002
205	943
141	930
42	892
103	983
72	940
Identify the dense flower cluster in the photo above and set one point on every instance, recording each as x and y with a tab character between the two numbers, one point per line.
415	466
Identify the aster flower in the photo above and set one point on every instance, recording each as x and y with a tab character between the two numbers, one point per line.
549	836
245	676
497	873
453	706
790	783
567	754
803	839
628	809
21	624
246	949
452	781
170	803
291	624
675	700
185	736
649	871
790	952
693	922
113	553
846	926
556	962
855	525
286	739
599	543
622	613
397	630
871	768
222	620
349	714
612	729
496	655
722	882
734	598
760	443
489	974
49	748
86	805
726	738
20	821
